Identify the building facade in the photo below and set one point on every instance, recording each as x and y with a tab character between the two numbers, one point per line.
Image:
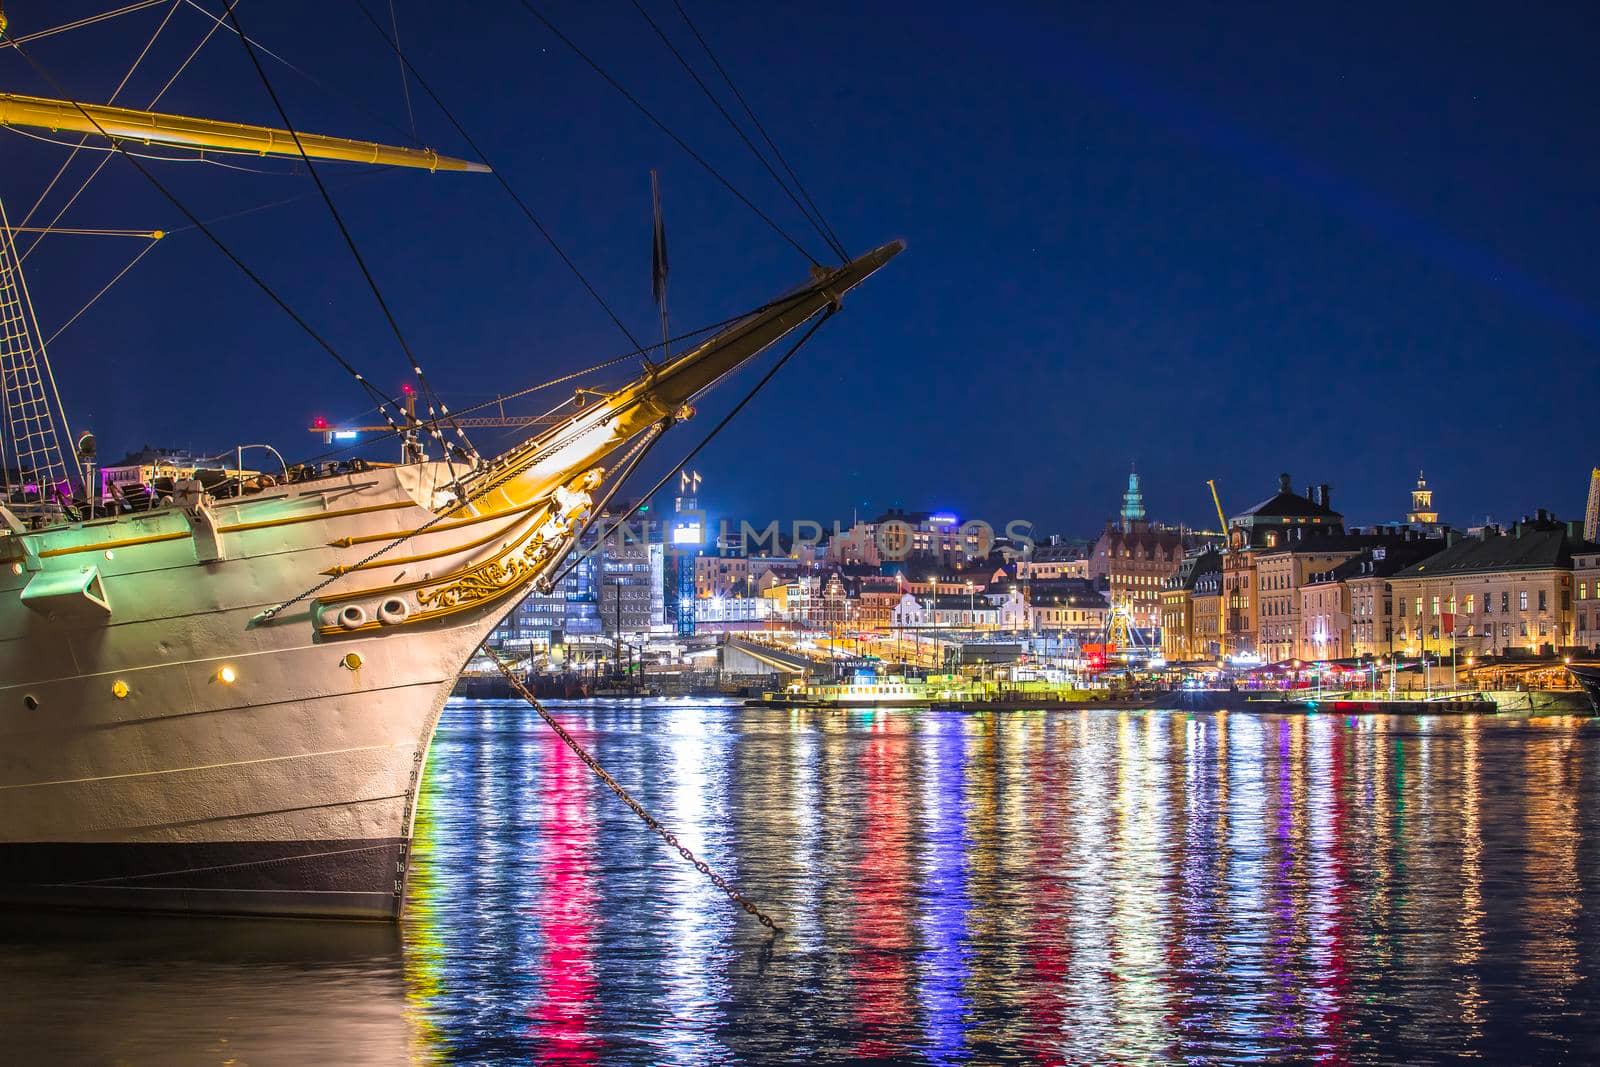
1498	594
1265	528
1179	640
1586	573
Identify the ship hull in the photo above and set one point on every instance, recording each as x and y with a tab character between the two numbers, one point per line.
176	751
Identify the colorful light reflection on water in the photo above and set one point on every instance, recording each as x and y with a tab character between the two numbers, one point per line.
1046	887
1064	887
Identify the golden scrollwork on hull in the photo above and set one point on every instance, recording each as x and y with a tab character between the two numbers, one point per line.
514	567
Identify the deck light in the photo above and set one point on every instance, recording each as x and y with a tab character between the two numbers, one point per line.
227	675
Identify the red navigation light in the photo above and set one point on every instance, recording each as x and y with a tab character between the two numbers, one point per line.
320	423
406	389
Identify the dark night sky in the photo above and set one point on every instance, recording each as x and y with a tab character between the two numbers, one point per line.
1345	243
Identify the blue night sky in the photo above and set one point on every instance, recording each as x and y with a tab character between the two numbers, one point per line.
1345	243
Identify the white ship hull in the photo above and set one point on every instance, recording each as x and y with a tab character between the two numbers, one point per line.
290	790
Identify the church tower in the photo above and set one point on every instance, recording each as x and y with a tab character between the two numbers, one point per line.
1422	513
1132	502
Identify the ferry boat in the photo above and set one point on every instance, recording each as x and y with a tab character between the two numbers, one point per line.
224	702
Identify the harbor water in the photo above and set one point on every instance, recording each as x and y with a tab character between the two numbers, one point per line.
1061	886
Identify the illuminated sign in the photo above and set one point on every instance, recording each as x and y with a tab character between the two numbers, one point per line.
346	435
943	518
687	534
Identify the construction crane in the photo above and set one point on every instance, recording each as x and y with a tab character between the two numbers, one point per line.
1222	608
1591	514
1215	499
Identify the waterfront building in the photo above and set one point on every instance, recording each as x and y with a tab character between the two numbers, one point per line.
953	612
1369	593
875	597
1586	573
1205	608
1067	606
1179	641
629	581
721	614
1282	573
1502	593
1266	527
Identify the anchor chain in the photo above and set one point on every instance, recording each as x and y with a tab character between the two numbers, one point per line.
649	820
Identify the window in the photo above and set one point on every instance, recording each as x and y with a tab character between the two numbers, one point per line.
1544	602
1402	607
1419	607
1522	600
1435	606
1583	590
1505	601
1471	597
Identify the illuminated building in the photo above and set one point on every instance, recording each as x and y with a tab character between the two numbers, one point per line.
934	536
1267	526
1067	605
1368	597
1205	611
961	612
1501	593
1586	572
1179	639
1055	559
1132	502
1422	513
720	576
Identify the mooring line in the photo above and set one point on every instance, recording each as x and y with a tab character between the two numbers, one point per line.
649	820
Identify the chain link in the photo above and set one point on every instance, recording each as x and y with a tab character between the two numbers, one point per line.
616	787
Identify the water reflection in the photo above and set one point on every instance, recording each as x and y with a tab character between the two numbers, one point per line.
1045	887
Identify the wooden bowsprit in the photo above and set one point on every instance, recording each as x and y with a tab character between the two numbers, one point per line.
616	787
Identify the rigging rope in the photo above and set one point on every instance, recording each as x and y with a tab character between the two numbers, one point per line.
65	27
623	358
679	141
62	170
405	82
733	895
833	238
323	86
372	392
355	252
827	237
145	251
704	441
499	177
